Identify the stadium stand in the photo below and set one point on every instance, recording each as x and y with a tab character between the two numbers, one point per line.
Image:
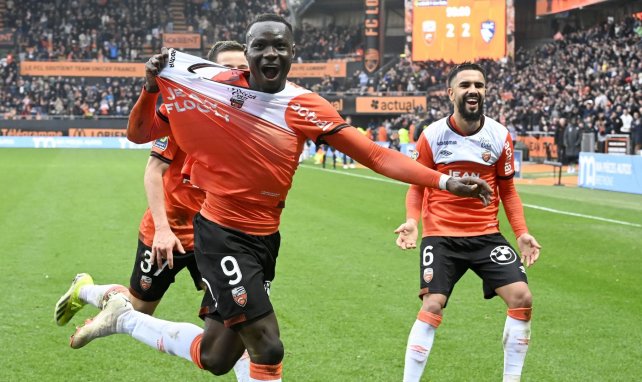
530	93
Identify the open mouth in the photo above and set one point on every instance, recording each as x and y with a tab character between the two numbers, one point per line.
270	72
472	101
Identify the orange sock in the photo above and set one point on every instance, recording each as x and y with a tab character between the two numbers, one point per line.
522	314
195	351
429	318
265	372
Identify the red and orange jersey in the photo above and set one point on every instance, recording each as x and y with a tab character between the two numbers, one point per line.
253	139
485	154
182	200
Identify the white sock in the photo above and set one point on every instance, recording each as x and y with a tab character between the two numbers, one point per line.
242	368
517	335
93	294
420	342
175	338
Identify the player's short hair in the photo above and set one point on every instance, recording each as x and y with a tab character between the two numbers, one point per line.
224	46
464	66
263	17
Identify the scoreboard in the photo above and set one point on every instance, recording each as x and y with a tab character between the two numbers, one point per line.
458	30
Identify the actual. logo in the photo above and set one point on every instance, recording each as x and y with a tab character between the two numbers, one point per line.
428	273
486	156
503	255
487	30
145	282
161	143
240	296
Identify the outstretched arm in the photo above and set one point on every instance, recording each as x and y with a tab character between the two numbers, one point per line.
397	166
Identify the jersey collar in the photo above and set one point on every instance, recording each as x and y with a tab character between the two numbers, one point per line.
452	125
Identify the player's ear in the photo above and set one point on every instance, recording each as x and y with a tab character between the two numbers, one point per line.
293	50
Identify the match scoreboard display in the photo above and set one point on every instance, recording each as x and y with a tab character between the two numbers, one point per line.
458	30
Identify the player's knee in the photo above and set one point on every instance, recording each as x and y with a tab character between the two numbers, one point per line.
521	299
432	306
271	353
217	364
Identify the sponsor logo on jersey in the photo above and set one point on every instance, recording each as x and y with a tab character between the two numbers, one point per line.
239	96
487	30
485	144
414	155
445	153
428	273
145	282
239	295
461	174
503	255
161	143
311	116
486	156
446	143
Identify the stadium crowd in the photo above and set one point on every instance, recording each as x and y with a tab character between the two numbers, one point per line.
537	91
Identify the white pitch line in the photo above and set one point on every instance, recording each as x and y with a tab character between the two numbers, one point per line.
551	210
581	215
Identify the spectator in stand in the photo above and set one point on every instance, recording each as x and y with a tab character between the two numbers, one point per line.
572	145
559	140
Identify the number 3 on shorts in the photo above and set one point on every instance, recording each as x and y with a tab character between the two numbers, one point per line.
232	270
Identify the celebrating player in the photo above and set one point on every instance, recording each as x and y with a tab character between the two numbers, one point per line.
464	234
245	131
166	227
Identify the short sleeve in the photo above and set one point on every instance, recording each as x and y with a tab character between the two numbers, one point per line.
313	116
164	149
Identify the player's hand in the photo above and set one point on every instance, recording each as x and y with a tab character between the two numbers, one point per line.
407	232
470	187
529	248
163	247
153	67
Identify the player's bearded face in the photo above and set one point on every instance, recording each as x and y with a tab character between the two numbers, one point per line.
471	106
467	93
269	52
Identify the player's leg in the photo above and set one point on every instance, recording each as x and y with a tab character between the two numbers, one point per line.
439	271
517	329
498	264
238	269
81	292
148	283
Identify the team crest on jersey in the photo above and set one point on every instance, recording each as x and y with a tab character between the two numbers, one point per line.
428	273
487	30
161	143
240	296
145	282
486	156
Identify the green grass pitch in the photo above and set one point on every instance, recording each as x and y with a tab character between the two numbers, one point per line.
344	294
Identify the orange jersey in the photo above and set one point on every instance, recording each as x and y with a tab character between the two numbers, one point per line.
244	145
182	200
485	154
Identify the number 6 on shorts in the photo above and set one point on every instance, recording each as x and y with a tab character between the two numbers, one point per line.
231	271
